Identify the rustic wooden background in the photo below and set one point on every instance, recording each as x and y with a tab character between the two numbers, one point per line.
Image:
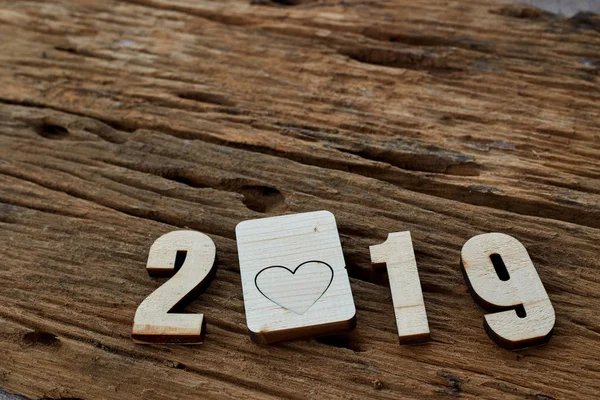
121	121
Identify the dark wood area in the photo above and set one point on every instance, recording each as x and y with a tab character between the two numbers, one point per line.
121	121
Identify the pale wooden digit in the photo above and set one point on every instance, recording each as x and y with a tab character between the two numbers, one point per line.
398	255
153	322
526	316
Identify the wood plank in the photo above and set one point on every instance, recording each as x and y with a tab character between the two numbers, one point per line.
122	121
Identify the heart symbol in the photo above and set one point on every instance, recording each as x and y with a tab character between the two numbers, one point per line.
296	290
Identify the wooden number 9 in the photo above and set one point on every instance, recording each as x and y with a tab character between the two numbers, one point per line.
502	278
153	322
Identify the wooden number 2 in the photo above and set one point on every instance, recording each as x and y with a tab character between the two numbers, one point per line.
501	277
153	322
398	255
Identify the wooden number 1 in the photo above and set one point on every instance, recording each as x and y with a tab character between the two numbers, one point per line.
501	277
398	255
153	322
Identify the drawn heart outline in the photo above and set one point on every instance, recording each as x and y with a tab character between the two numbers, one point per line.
302	311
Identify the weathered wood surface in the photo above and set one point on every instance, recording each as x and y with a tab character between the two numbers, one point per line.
121	121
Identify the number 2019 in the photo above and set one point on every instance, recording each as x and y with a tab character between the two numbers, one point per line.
497	269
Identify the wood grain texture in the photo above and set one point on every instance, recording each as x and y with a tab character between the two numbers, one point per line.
121	121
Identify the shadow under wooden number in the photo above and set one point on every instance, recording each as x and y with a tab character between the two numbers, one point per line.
502	279
294	277
154	322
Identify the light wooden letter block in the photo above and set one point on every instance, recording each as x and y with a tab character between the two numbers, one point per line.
294	277
397	254
155	320
502	279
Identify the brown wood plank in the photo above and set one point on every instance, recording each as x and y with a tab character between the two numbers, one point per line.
121	121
